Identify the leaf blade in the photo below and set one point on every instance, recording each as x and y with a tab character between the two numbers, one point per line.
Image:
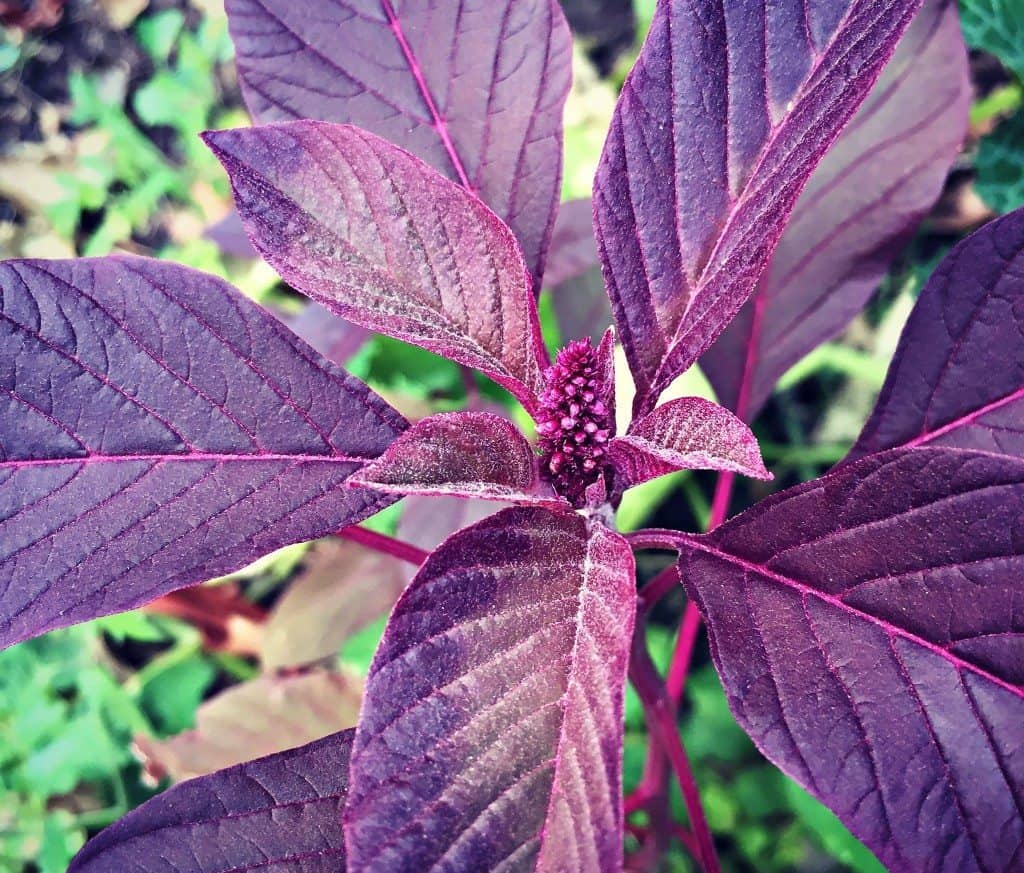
858	210
860	629
957	377
432	265
444	76
133	465
694	110
283	809
511	798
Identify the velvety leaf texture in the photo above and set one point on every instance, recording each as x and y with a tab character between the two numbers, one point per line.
280	813
868	633
957	378
131	465
473	87
383	240
728	110
465	454
686	434
858	210
491	731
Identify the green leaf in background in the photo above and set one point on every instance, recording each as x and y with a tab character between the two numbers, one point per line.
172	696
996	26
1000	162
829	831
158	33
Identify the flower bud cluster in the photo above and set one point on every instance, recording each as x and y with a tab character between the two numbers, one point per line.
574	422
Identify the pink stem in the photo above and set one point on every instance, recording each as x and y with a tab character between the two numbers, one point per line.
660	715
657	588
383	543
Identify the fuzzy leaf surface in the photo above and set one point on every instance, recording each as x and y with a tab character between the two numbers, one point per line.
491	731
380	238
475	89
462	454
690	433
728	110
282	812
867	631
158	429
957	378
858	210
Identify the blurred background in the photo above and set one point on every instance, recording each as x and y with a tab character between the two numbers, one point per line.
100	104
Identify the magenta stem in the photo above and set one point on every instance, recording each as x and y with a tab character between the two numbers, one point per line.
659	713
383	543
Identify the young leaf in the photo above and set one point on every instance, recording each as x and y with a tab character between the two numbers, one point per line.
475	90
464	454
728	110
159	429
866	631
279	812
686	434
957	378
858	210
491	730
383	240
260	717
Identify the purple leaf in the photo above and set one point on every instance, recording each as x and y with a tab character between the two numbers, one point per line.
475	90
728	110
867	631
491	729
159	429
281	813
381	239
686	434
858	210
230	236
957	378
333	337
461	454
581	306
573	247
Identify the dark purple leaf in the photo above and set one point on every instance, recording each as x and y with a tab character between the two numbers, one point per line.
573	247
491	730
686	434
259	717
333	337
230	236
728	110
868	633
381	239
461	454
957	378
159	429
280	813
858	210
474	89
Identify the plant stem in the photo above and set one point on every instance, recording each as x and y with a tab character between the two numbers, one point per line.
383	543
659	712
658	587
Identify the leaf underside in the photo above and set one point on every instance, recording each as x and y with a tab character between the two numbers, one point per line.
491	731
860	207
725	115
132	465
867	631
278	813
474	89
